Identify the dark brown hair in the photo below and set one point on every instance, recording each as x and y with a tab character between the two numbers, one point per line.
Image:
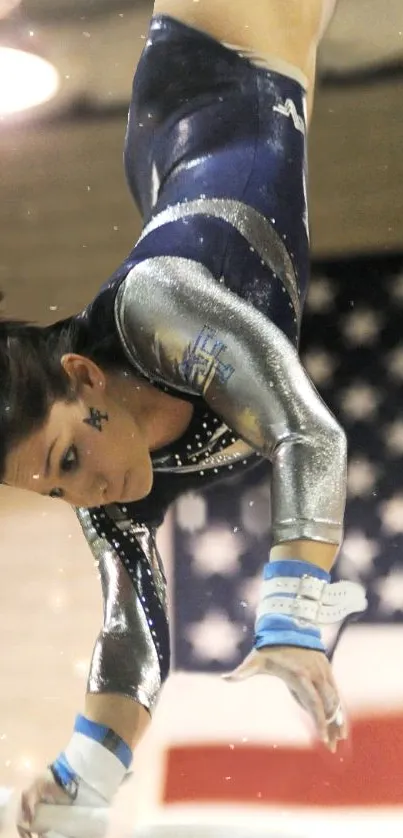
31	378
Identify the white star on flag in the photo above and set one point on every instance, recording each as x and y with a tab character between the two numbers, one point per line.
321	295
393	436
320	365
217	550
191	512
249	592
394	362
360	401
357	555
214	637
392	514
256	510
361	326
361	477
390	590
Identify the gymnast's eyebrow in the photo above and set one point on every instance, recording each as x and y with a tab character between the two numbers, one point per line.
47	464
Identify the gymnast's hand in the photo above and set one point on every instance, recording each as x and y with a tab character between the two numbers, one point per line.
308	675
46	809
43	789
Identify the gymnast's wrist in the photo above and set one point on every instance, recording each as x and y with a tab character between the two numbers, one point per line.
96	759
278	618
297	598
318	553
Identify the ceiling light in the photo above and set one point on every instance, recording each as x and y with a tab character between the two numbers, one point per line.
26	81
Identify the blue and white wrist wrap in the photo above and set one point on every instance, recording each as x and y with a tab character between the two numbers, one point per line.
296	599
95	759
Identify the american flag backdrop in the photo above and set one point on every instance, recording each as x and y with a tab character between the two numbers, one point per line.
353	350
352	347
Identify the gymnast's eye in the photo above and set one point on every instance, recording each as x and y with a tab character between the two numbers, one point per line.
69	461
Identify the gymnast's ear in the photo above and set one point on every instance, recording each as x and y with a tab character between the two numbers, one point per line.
83	373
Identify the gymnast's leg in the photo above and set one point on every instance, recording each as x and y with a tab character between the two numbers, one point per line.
285	30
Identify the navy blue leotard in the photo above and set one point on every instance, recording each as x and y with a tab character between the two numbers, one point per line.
208	307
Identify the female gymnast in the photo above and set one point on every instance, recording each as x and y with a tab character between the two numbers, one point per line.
184	370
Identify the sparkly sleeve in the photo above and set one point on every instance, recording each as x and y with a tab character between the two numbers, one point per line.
131	654
180	327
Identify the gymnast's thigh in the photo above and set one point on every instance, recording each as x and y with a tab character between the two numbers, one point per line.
287	30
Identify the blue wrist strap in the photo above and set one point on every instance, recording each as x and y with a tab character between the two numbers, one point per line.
279	629
62	771
294	568
106	737
64	775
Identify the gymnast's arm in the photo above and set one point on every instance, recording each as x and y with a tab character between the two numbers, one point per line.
177	321
129	664
125	675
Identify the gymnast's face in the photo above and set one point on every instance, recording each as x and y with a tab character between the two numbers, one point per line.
89	452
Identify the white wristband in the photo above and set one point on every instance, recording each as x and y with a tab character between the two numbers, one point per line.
100	769
311	600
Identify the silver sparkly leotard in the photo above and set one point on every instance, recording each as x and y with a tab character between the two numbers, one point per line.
208	307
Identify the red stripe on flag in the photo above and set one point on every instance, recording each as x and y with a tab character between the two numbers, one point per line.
367	772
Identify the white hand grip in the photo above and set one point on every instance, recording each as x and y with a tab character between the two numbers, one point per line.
71	821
